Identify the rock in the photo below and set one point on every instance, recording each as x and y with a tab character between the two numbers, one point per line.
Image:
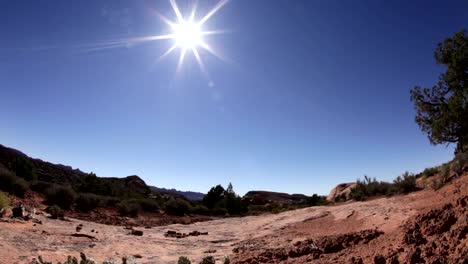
137	232
379	259
341	191
18	211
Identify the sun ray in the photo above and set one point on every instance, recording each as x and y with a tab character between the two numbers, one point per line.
165	19
200	63
213	11
173	47
212	51
181	59
194	10
176	10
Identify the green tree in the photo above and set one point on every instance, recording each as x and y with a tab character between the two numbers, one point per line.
442	111
215	195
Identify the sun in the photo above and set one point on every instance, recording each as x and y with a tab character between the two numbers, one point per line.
187	34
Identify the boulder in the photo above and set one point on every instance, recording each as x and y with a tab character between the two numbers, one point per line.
342	190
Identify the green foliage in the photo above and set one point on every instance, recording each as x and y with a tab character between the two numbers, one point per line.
4	200
111	201
55	212
219	210
183	260
429	172
93	184
128	208
86	202
214	196
208	260
9	182
405	183
61	196
20	187
24	169
369	187
200	210
40	186
316	200
178	207
149	205
442	111
7	179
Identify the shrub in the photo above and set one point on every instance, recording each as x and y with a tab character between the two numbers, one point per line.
20	187
40	186
149	205
405	183
4	200
61	196
370	187
178	207
111	201
200	210
429	172
87	201
7	179
208	260
24	169
183	260
128	208
55	212
218	210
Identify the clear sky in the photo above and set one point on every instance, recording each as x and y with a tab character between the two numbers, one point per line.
310	93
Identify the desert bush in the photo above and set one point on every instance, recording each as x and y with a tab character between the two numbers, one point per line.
86	202
55	212
429	172
200	210
9	182
208	260
110	201
178	207
4	200
370	187
219	210
61	196
405	183
7	179
20	187
149	205
128	208
183	260
24	169
40	186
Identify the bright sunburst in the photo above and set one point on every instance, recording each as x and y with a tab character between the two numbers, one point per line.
187	34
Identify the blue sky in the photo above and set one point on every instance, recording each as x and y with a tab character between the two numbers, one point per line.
310	94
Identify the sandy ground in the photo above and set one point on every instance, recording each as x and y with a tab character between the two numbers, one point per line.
21	241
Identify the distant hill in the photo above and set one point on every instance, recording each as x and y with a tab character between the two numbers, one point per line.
263	197
66	175
192	196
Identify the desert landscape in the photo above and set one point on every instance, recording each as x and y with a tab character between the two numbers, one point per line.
422	227
233	132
